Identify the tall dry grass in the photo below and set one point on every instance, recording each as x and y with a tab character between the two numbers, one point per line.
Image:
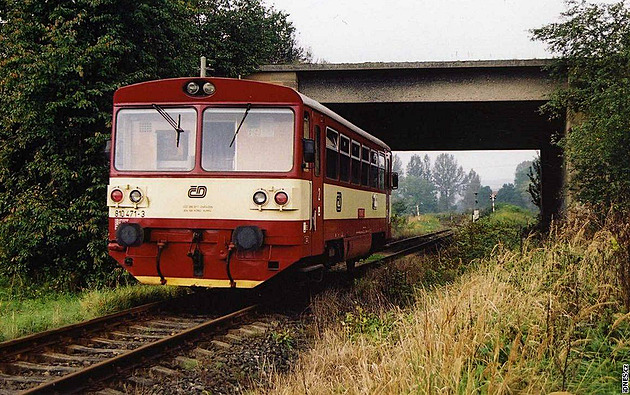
548	317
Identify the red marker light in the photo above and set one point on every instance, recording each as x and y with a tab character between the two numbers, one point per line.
281	198
117	195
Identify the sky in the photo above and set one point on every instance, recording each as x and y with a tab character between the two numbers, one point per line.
355	31
350	31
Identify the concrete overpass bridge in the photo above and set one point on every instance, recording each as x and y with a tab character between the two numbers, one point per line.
423	106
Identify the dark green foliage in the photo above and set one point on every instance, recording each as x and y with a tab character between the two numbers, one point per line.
508	194
419	195
535	183
60	63
239	35
476	240
416	192
523	182
593	41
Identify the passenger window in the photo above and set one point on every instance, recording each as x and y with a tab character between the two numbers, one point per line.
344	158
356	162
332	154
318	142
381	171
374	169
365	168
307	126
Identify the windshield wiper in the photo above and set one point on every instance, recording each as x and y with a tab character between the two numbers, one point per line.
249	106
171	121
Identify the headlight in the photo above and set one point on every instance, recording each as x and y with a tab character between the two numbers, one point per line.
260	198
135	196
208	88
247	238
192	88
129	235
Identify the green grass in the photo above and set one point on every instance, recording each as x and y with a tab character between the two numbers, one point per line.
403	227
23	315
507	214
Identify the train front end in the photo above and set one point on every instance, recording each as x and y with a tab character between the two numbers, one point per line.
206	184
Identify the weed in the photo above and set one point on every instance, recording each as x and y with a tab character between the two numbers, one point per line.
360	322
284	337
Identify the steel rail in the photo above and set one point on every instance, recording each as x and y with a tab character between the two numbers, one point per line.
27	343
432	239
409	239
89	376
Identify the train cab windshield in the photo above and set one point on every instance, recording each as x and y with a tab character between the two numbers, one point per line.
263	143
145	141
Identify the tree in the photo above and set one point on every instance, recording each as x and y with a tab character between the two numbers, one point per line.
397	165
449	178
593	41
239	35
420	194
535	185
60	63
471	189
510	195
419	167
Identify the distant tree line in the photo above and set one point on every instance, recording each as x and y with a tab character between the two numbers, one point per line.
60	63
430	188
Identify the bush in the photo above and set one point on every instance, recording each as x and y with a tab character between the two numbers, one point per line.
592	40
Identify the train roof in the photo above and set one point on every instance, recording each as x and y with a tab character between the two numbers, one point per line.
226	91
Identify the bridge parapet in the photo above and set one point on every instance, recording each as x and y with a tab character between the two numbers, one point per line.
416	82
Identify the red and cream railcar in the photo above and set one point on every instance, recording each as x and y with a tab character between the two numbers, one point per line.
220	182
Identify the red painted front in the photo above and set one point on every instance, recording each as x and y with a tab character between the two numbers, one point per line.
284	243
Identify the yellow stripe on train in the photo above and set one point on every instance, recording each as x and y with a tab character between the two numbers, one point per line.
345	203
210	198
197	282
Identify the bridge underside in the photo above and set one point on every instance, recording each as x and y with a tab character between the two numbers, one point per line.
423	106
448	126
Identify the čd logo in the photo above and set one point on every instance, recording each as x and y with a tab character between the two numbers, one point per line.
197	192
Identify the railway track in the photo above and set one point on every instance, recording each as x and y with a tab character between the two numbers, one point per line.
74	358
108	349
410	245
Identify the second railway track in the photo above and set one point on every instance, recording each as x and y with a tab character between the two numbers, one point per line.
79	357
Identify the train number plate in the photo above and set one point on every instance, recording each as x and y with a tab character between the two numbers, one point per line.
128	213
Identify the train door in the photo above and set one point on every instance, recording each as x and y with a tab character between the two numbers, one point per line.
318	187
388	191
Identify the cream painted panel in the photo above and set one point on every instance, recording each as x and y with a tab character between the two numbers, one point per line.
225	198
351	201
